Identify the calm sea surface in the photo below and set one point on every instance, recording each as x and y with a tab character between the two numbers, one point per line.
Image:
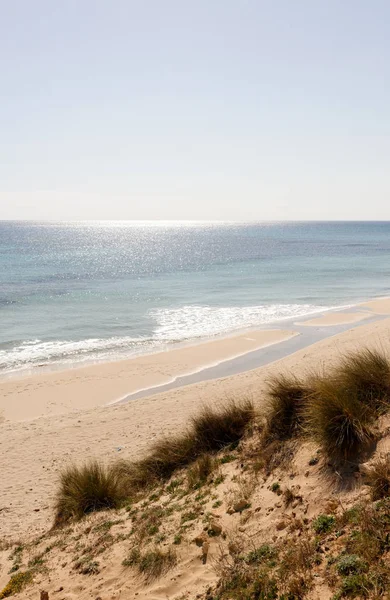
78	292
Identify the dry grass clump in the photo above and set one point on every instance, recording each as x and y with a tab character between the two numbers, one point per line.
85	489
286	398
215	429
153	563
336	409
200	471
366	375
379	478
337	421
210	431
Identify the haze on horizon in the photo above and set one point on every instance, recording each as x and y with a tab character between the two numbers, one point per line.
209	110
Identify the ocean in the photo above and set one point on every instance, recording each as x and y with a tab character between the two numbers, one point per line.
80	292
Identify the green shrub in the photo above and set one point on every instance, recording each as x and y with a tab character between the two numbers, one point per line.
356	586
323	523
16	584
263	553
85	489
350	564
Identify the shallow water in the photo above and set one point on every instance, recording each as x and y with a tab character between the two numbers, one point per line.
72	293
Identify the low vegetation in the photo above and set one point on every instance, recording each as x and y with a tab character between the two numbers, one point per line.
17	583
338	422
85	489
93	487
379	478
173	497
366	376
153	563
284	409
336	409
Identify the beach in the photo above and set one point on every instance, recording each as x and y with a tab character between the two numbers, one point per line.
34	449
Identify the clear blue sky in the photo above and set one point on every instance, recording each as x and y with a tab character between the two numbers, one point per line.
195	109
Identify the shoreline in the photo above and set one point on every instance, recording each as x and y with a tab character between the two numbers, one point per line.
117	382
105	384
35	451
55	367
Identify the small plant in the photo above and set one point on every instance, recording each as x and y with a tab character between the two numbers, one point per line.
214	430
227	459
132	559
86	489
355	586
177	539
199	472
275	487
89	567
324	523
174	486
288	496
16	584
314	461
155	563
219	479
188	516
264	553
350	564
217	504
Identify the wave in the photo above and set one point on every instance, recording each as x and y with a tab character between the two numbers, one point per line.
172	325
202	321
32	353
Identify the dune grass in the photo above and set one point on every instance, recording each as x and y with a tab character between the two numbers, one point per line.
366	375
378	479
336	408
153	563
209	431
338	421
286	398
200	471
85	489
93	487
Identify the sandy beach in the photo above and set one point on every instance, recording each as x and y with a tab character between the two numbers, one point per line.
34	450
57	392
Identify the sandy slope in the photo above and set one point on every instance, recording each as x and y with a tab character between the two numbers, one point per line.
33	451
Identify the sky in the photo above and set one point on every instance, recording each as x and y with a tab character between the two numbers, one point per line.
194	109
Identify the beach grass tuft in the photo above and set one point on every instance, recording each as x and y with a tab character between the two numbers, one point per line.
286	398
366	375
337	421
85	489
378	478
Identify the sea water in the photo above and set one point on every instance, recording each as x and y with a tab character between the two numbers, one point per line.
80	292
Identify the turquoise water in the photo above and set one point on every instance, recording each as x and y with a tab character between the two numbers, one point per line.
71	293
